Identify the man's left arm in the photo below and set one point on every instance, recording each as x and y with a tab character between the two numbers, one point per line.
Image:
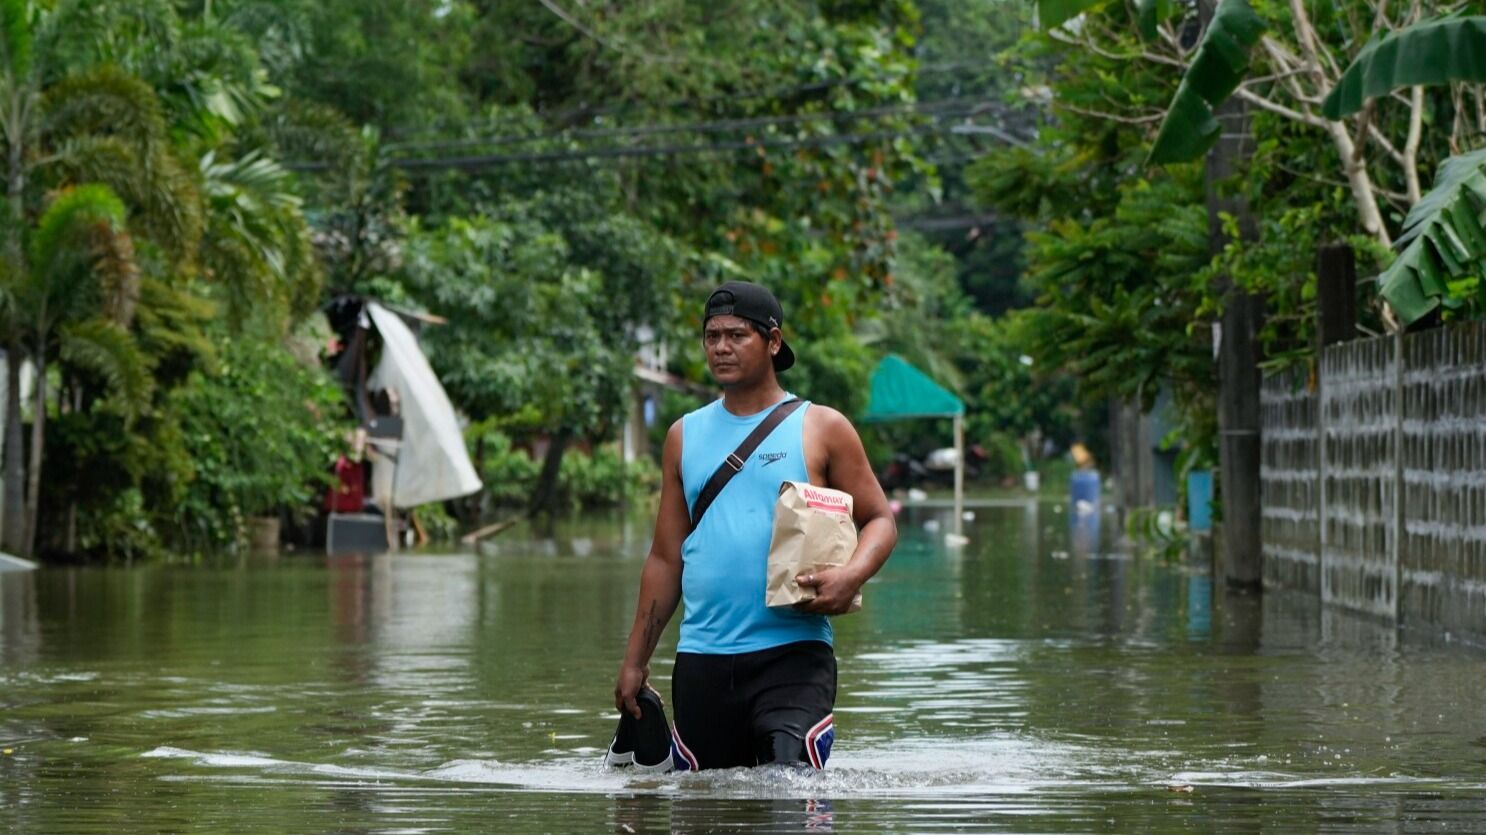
847	469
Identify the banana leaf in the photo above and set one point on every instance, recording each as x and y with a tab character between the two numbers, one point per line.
1054	13
16	39
1222	60
1443	239
1428	53
109	350
1149	14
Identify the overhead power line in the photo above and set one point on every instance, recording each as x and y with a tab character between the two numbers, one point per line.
742	95
964	106
490	160
480	161
941	224
606	42
991	130
772	92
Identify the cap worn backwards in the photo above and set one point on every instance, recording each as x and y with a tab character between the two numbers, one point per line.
755	303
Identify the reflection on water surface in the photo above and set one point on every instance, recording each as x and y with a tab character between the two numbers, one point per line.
1027	683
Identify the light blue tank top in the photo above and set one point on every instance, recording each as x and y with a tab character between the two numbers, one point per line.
724	561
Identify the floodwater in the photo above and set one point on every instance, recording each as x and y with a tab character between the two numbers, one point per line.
1025	683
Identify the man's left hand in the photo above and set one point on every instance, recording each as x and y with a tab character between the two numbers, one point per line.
834	590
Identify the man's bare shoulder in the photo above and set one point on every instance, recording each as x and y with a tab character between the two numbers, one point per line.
671	451
824	416
829	423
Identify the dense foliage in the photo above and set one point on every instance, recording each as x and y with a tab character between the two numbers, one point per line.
189	182
258	429
1132	264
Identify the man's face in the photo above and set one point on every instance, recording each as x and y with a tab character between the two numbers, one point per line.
736	352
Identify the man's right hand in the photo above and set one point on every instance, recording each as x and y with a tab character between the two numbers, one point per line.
631	679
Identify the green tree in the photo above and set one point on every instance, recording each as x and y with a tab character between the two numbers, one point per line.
257	248
1379	145
76	298
92	137
544	316
963	56
795	189
129	133
983	359
260	431
1115	254
396	66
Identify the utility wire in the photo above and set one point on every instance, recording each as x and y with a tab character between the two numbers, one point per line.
929	223
601	41
745	95
771	92
476	162
964	106
483	161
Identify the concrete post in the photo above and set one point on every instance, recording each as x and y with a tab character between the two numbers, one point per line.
959	525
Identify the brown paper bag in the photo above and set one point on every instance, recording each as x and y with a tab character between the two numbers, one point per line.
813	529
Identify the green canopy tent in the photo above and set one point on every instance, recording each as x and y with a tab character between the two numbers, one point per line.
902	392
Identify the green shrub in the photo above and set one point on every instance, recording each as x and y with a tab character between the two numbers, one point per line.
121	529
437	523
585	479
1004	456
509	474
1056	475
603	479
1157	531
261	431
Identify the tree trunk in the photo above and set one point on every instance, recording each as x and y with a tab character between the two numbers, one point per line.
14	520
544	497
469	506
1238	403
33	468
1354	163
1239	439
71	545
1363	192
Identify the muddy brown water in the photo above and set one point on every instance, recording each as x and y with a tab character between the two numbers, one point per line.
1033	681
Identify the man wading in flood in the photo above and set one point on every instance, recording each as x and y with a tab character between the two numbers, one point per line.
752	684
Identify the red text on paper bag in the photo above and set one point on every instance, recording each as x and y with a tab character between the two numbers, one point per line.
813	530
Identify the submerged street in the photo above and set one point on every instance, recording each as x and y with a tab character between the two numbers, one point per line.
1018	685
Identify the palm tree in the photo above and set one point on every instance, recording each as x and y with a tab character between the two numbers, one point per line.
77	148
76	301
258	248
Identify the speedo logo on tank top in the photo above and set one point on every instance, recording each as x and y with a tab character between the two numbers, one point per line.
824	501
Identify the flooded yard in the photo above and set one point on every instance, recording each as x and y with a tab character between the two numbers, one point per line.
1025	683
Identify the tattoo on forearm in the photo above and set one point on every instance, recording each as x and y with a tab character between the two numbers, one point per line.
652	624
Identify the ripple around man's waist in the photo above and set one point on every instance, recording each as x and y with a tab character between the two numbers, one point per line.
986	766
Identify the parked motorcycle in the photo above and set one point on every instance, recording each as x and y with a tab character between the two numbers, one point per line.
935	469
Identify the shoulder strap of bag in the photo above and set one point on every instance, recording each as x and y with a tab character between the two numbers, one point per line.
733	464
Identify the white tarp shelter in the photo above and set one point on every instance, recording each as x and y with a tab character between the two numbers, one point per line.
432	462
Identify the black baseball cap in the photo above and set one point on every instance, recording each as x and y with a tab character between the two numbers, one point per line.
755	303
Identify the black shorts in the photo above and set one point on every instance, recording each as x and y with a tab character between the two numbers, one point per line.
770	706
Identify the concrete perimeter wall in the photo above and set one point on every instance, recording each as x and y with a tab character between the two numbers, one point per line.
1374	478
